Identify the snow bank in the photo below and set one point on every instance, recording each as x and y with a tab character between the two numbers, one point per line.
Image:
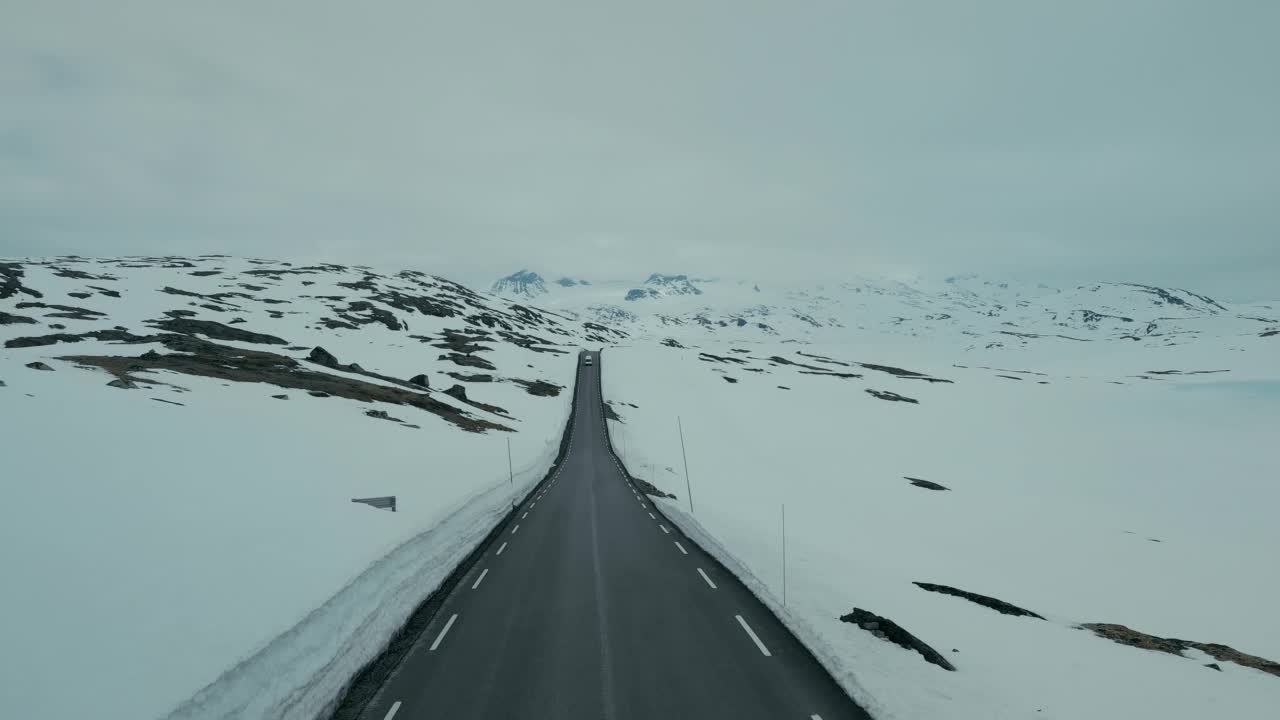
300	673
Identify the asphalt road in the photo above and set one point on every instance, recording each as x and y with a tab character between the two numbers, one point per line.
589	605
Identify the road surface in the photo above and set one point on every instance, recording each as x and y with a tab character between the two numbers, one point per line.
590	605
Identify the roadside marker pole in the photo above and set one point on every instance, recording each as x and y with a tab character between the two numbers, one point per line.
688	487
784	554
511	473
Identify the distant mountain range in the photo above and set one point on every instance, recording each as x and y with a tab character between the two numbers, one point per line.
527	284
976	311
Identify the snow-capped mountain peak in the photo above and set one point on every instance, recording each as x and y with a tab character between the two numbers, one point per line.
523	283
661	285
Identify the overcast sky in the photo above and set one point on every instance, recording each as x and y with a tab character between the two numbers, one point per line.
1109	139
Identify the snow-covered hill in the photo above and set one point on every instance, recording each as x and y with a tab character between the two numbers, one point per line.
1116	483
181	441
183	438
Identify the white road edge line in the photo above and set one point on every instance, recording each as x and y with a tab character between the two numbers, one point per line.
677	542
763	650
664	529
395	708
486	572
704	577
449	624
504	547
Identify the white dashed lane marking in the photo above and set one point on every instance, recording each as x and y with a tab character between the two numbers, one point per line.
486	572
504	547
677	542
445	631
664	528
754	638
704	577
395	708
513	531
652	516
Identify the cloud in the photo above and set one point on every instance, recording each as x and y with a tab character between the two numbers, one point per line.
1084	140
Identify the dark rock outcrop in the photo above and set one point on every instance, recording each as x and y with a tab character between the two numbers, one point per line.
999	606
7	319
540	388
1174	646
39	366
110	336
709	357
421	380
11	275
610	413
122	384
215	331
363	312
926	484
892	396
107	335
886	629
463	341
198	357
457	391
70	312
641	294
468	361
471	377
904	374
320	356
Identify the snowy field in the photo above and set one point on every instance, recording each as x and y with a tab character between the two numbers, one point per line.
153	551
181	543
1148	503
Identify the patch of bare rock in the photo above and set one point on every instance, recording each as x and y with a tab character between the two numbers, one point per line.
888	630
1174	646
